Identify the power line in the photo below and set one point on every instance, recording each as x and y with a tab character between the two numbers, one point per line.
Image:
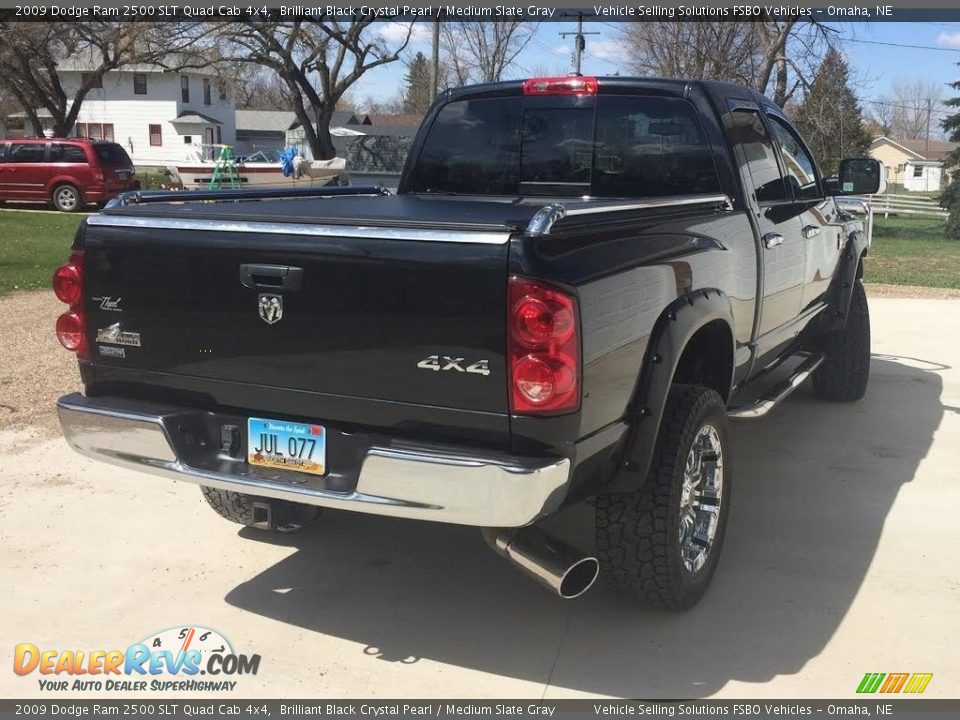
903	45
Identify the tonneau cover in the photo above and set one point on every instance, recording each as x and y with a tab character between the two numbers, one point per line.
441	212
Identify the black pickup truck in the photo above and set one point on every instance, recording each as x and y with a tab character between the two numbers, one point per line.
577	283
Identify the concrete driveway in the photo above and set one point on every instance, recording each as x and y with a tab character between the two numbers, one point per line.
841	559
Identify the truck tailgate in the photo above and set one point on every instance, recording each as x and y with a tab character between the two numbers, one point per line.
354	312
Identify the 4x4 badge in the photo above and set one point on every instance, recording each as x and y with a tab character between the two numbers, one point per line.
270	308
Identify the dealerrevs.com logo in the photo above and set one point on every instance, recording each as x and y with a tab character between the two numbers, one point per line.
177	659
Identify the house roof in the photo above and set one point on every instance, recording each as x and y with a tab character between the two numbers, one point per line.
921	149
87	60
192	116
282	120
265	120
404	119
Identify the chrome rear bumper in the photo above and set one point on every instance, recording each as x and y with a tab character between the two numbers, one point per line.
419	483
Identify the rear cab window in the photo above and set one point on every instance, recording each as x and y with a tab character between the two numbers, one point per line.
613	146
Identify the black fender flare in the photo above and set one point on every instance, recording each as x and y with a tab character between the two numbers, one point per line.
850	269
671	334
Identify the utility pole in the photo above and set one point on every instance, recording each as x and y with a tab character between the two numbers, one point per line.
435	67
580	42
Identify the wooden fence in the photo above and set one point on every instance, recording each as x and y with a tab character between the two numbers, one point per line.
907	205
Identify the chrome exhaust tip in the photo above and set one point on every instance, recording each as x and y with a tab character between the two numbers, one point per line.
560	568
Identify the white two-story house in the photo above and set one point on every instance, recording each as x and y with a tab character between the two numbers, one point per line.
158	115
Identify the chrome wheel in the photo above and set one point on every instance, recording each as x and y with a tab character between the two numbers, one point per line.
66	198
701	497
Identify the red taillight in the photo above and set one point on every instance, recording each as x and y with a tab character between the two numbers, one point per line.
71	332
68	287
68	280
563	85
544	347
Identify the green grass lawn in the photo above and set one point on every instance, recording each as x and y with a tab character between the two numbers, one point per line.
913	251
32	245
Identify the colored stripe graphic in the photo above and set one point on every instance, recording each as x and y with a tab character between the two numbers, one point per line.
894	682
870	682
918	682
914	683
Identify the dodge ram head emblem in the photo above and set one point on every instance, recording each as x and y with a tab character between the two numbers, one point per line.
271	308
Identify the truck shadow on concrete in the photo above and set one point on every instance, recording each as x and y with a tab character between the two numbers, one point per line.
814	483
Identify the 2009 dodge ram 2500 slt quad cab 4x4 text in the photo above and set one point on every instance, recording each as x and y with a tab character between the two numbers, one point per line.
577	283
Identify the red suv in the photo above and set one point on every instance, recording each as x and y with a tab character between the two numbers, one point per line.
66	172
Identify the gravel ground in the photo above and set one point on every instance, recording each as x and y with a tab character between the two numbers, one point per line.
35	370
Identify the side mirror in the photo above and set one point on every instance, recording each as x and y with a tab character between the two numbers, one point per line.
858	176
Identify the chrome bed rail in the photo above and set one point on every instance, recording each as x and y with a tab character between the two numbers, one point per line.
542	223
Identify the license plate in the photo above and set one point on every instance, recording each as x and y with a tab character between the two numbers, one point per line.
123	175
287	445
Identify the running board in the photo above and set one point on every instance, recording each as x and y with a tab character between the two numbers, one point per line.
778	393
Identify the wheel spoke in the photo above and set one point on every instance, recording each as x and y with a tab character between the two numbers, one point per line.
700	498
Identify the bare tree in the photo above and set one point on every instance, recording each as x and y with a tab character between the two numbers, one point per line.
882	112
31	53
8	106
913	103
257	88
778	56
694	50
482	51
318	61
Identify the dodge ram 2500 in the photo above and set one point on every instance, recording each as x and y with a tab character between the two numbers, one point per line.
576	285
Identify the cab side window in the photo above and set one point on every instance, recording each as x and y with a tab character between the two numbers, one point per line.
66	153
801	170
747	133
26	152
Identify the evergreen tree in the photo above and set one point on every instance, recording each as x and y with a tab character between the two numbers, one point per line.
416	98
830	118
950	198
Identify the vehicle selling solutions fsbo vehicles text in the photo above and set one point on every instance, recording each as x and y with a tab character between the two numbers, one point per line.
736	11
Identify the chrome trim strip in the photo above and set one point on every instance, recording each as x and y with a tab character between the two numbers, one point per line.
543	221
864	205
397	482
276	228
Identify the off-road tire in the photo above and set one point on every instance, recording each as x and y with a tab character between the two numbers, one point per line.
638	542
250	510
845	371
59	198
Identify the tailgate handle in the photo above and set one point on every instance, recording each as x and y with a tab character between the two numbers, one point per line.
272	277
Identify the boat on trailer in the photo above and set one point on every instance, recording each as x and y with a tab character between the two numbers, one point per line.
263	169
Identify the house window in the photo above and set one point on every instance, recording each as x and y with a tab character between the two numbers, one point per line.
185	88
156	137
219	136
97	131
918	170
97	80
222	86
188	139
139	83
206	91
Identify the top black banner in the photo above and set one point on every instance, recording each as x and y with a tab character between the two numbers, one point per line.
558	11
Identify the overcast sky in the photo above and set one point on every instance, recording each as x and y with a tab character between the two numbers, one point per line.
876	63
